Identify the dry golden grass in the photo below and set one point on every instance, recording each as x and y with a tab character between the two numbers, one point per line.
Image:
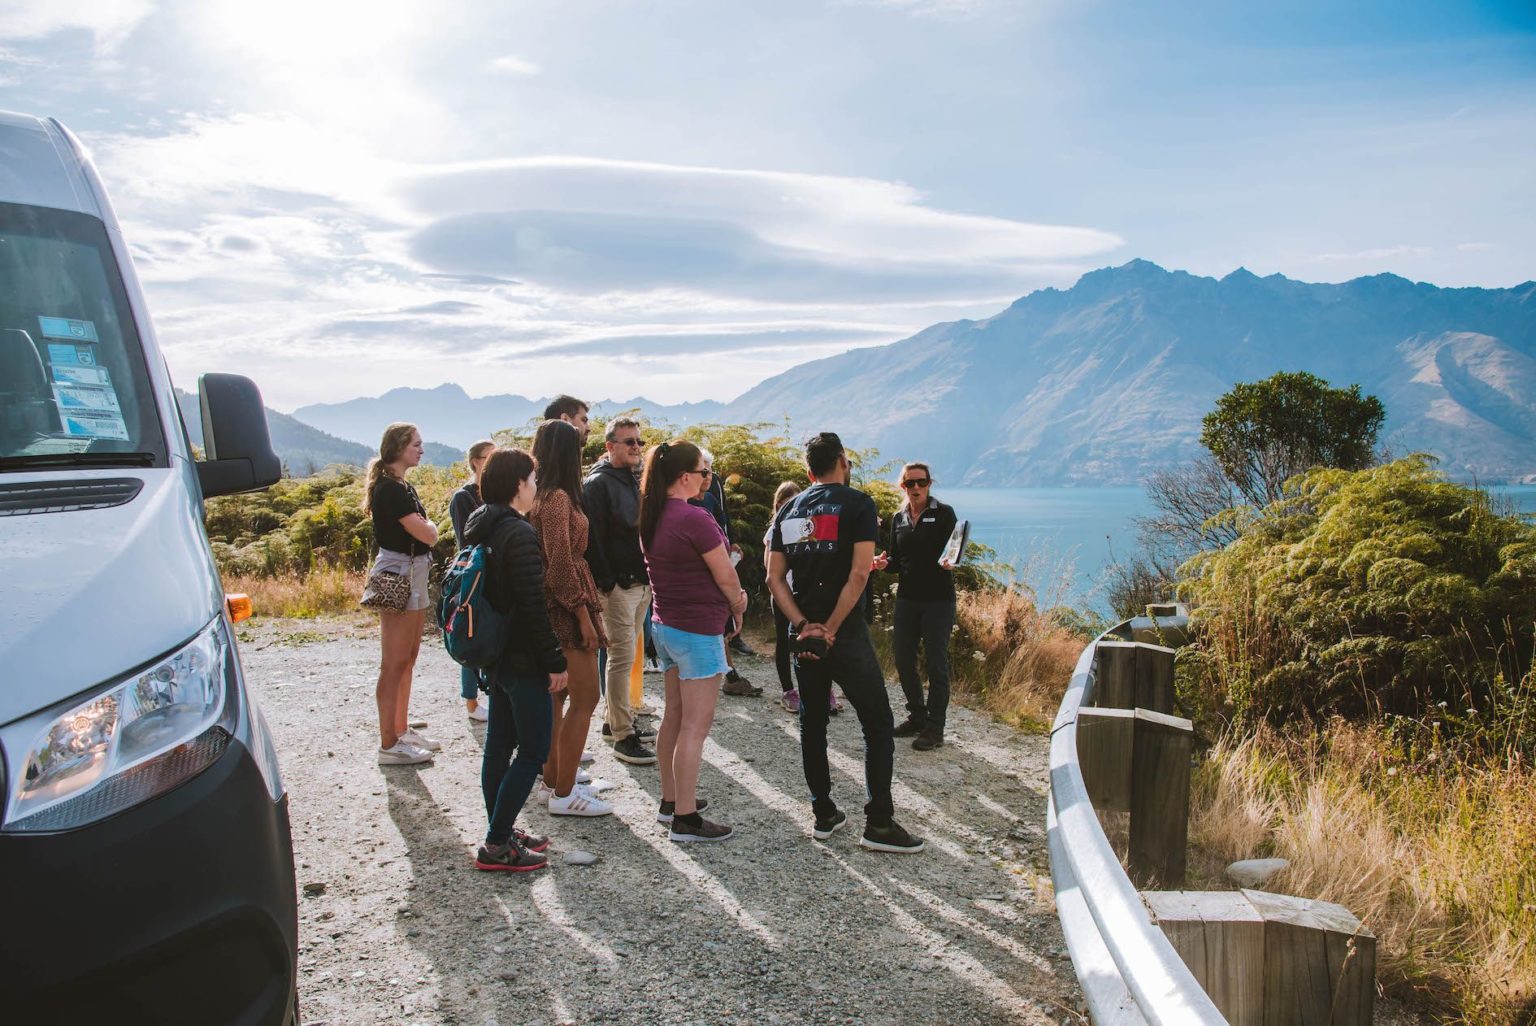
1026	657
319	593
1440	865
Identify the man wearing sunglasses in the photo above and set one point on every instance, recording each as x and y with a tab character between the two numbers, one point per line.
925	604
611	497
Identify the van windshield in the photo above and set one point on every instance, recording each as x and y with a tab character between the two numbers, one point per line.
74	386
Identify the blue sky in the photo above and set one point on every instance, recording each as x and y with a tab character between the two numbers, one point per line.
678	199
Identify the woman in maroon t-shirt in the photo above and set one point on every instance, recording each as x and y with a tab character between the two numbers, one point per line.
694	588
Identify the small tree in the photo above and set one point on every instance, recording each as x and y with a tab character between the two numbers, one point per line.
1264	433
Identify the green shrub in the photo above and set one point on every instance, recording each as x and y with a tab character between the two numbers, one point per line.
1363	593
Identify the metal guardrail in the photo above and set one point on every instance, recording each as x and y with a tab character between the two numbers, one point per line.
1128	971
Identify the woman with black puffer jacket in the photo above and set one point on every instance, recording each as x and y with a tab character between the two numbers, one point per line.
532	666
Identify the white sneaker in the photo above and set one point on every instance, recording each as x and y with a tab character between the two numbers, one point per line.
594	785
583	777
403	753
479	713
542	792
421	740
580	802
586	757
416	723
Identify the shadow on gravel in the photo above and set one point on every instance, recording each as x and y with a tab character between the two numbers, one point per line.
768	927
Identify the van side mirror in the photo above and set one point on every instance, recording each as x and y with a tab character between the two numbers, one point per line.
235	435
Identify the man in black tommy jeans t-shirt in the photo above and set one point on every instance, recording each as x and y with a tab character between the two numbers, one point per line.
824	538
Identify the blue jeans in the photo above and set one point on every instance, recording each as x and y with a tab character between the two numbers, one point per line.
931	623
851	663
469	683
520	719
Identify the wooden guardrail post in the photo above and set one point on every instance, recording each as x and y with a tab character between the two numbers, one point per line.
1134	675
1105	739
1159	838
1220	936
1270	959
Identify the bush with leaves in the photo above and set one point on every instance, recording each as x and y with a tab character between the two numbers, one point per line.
1383	591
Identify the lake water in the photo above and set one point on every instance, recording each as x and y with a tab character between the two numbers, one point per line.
1059	540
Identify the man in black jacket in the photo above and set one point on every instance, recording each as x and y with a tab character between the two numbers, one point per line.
611	497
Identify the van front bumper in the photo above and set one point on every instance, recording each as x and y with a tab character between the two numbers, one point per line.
179	910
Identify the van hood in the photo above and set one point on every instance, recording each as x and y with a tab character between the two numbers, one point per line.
92	594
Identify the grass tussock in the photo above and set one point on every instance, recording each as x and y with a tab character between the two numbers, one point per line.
1438	861
1007	655
321	592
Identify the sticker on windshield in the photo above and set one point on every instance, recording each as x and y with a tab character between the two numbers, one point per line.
68	327
76	375
90	424
79	356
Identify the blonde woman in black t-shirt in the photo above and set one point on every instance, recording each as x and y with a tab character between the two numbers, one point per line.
405	538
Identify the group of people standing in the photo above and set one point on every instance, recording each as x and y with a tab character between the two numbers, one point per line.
579	564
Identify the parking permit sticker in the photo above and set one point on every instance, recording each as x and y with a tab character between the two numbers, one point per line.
64	372
79	356
67	327
90	424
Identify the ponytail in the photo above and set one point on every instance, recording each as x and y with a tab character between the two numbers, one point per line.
396	437
664	464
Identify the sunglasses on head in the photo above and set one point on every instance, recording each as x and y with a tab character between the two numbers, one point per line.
917	482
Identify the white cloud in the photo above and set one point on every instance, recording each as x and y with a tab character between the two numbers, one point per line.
1380	253
110	22
511	65
930	8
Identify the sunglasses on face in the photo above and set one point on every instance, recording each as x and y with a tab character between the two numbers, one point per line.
633	443
916	482
703	472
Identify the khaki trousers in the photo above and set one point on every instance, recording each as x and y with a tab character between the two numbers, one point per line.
622	610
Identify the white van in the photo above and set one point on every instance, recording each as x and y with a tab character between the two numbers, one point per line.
146	867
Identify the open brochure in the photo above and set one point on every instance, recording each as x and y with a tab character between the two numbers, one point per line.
956	547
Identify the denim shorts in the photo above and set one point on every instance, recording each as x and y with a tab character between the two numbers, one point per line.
696	656
414	567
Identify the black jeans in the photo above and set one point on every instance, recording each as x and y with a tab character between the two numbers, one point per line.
852	664
520	719
781	647
931	623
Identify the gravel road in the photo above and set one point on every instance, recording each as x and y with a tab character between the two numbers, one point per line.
396	925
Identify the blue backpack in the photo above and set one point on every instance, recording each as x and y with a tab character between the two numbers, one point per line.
473	631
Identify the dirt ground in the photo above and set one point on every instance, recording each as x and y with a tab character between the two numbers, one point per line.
396	925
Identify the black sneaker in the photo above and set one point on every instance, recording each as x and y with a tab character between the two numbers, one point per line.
664	815
890	837
643	733
829	824
739	644
632	751
511	858
700	829
533	842
909	727
928	739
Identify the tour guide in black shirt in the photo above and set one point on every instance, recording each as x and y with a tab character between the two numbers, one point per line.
925	604
824	539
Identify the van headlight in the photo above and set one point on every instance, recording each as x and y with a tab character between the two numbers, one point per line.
145	735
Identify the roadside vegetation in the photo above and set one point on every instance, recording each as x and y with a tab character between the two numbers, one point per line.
1361	668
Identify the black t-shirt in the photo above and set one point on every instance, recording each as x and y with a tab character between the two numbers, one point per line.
390	501
816	531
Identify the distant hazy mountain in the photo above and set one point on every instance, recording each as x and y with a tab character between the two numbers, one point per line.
448	413
304	449
1103	382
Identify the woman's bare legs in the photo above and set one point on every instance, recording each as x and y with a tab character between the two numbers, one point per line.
697	698
400	642
572	730
666	737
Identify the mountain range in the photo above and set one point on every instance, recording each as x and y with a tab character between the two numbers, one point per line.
1104	381
305	450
